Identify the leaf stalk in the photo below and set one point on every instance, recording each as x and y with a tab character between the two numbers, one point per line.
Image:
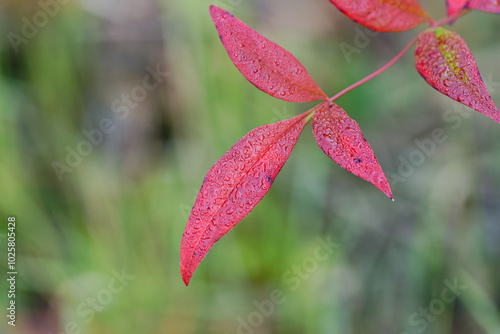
377	72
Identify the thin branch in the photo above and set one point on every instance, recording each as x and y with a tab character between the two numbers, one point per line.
377	72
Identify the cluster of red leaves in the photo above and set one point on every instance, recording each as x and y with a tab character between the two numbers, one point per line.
243	176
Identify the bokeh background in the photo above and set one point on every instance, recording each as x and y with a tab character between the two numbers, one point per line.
99	230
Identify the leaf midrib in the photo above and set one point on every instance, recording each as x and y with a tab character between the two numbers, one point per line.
271	69
195	244
478	98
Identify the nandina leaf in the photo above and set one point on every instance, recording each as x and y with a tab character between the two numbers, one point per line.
341	139
454	7
446	63
384	15
265	64
491	6
234	186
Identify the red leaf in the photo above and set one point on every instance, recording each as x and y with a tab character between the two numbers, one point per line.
491	6
341	139
454	7
446	63
384	15
265	64
234	186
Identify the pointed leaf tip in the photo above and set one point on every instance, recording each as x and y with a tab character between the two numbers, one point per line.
443	59
341	139
384	15
265	64
235	185
185	277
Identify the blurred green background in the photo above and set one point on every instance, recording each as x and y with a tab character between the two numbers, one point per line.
101	174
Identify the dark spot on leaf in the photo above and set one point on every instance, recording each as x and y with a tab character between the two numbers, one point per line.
269	179
357	160
195	253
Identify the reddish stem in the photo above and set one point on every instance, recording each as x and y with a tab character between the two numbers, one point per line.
450	19
398	56
377	72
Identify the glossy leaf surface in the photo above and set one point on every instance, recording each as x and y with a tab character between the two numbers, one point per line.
265	64
491	6
453	7
234	186
383	15
341	139
446	63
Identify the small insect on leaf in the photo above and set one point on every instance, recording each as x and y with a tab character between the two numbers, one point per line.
265	64
341	139
453	7
384	15
234	186
446	63
490	6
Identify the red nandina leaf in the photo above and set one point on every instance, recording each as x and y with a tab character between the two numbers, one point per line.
265	64
491	6
234	186
446	63
341	139
454	7
384	15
